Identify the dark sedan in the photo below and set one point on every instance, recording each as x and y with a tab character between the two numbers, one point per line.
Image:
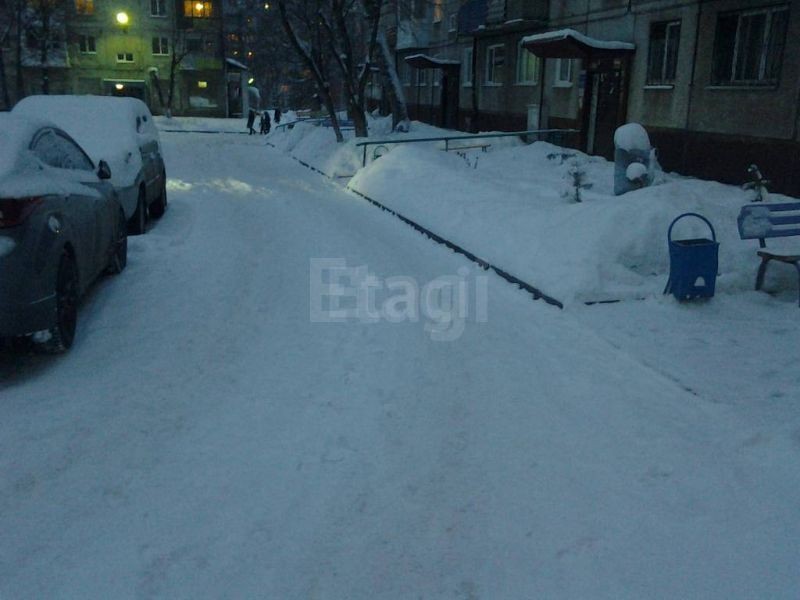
61	226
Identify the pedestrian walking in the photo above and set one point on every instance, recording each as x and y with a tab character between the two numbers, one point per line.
264	124
251	118
277	116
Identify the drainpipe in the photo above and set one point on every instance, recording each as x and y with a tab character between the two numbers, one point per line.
691	84
539	125
475	109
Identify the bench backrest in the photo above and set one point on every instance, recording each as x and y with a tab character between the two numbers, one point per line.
765	220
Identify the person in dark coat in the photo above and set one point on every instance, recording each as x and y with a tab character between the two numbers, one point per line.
251	118
264	123
277	116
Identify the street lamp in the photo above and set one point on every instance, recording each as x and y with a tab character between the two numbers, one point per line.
122	18
251	80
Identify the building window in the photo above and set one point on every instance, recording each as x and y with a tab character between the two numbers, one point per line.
466	68
662	61
452	23
438	11
421	76
563	72
495	61
84	7
124	57
195	9
86	44
749	46
158	8
160	46
527	66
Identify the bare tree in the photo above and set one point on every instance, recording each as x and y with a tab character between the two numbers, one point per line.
304	27
5	35
44	24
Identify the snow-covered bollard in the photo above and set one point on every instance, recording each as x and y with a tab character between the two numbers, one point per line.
632	154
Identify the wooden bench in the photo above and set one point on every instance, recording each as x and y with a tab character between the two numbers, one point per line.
762	220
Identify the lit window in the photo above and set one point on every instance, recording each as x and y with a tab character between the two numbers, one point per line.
86	44
195	9
527	66
160	46
438	11
749	46
662	60
202	84
84	7
495	63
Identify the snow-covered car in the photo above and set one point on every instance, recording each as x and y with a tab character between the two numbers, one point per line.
120	131
61	226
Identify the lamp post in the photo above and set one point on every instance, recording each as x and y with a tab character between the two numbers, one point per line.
122	19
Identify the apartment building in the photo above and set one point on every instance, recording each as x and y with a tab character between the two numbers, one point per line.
715	82
141	48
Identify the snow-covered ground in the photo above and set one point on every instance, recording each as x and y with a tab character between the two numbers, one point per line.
206	439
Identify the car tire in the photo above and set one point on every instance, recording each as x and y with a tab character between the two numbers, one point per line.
138	222
119	256
62	334
159	207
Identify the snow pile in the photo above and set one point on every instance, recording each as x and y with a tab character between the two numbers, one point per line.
636	172
632	137
509	207
107	128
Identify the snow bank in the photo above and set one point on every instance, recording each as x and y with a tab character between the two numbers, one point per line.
506	206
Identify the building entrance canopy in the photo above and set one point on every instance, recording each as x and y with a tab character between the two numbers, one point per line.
568	43
423	61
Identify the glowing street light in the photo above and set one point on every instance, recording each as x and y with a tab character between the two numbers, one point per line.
119	87
251	80
266	6
122	18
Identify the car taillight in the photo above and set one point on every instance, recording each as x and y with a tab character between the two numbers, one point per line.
14	211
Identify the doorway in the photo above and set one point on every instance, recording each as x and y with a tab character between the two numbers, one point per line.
605	103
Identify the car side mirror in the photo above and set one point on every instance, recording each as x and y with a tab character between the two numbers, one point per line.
103	170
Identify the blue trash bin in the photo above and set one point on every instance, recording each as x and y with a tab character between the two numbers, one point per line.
693	264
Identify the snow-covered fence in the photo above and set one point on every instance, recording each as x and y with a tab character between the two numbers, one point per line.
551	133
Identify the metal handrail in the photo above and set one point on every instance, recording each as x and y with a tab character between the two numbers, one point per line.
448	138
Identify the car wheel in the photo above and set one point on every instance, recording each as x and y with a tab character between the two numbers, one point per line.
138	222
62	334
119	256
159	207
